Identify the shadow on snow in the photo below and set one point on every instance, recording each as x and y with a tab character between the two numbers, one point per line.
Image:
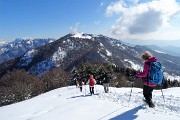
128	115
81	96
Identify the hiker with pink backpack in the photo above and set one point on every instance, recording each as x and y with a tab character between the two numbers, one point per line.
91	83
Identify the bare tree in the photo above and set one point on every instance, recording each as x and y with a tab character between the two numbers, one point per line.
54	78
18	85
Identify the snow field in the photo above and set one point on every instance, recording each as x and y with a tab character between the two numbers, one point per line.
69	103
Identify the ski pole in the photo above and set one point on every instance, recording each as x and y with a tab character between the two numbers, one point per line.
85	90
132	84
131	90
162	91
95	88
162	94
109	85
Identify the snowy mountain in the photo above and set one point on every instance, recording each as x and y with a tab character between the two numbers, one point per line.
1	43
73	50
171	50
159	43
68	103
19	46
170	47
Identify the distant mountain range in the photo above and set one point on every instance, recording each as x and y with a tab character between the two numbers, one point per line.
1	43
20	46
170	47
73	50
159	43
172	50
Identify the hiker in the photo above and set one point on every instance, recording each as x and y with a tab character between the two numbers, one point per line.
80	84
147	87
76	82
91	83
106	80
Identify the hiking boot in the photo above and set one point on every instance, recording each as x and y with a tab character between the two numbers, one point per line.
151	104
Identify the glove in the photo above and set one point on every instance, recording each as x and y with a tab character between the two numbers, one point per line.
132	72
137	74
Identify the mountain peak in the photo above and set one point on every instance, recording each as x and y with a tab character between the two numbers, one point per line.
74	49
82	35
21	39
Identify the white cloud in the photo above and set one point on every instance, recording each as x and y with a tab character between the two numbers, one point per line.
97	22
116	8
102	3
74	29
150	20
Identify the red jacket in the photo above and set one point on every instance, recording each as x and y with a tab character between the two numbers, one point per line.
91	81
145	72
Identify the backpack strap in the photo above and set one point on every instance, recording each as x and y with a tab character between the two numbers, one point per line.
148	73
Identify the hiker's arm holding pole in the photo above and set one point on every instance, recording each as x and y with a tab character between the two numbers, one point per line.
144	73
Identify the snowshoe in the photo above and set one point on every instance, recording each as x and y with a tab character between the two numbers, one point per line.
150	103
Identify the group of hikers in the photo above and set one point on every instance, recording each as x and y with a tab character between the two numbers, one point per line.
148	86
91	82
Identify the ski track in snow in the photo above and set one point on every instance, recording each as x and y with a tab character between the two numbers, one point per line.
171	105
124	108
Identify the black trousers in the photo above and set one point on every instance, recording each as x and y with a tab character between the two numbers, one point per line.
91	90
80	88
147	92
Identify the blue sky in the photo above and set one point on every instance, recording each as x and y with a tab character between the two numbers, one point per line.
121	19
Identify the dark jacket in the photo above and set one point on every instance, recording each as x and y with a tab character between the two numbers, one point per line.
106	78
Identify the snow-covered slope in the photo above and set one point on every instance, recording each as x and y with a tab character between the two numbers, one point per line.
69	104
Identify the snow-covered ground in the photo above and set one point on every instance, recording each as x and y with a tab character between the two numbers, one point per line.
69	104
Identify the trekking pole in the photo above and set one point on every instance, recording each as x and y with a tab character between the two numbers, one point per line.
109	85
162	95
95	88
162	91
85	90
132	84
85	87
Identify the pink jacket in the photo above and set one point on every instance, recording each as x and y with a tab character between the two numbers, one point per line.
145	72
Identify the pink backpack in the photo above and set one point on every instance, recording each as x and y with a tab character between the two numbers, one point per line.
91	81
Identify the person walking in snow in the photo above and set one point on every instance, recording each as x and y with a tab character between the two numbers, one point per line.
80	84
76	82
106	80
147	87
91	83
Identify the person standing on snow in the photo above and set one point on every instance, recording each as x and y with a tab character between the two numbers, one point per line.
147	87
106	80
91	83
80	84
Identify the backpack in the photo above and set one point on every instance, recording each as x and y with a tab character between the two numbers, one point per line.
107	79
92	81
80	83
155	75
